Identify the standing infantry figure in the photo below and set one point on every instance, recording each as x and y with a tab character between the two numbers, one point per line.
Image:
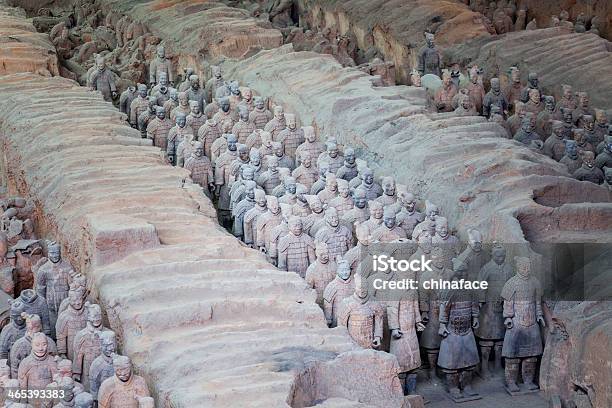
267	222
490	334
291	137
305	173
14	330
36	370
296	249
242	207
139	105
337	237
388	231
332	159
158	128
175	136
84	400
200	169
494	97
343	202
429	58
362	317
102	80
310	145
337	290
251	217
321	272
214	83
522	296
53	280
71	321
224	117
473	255
372	188
243	128
87	345
223	178
458	353
34	304
360	212
126	98
196	118
102	367
277	124
122	389
158	65
270	178
408	217
348	171
260	116
195	93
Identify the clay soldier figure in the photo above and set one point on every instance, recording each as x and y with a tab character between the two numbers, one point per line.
604	158
283	159
296	249
337	237
532	83
496	116
247	100
429	302
458	353
571	159
255	162
331	189
607	178
235	97
102	367
23	346
243	128
568	124
301	208
310	145
429	223
36	370
362	317
175	136
241	208
429	58
515	121
522	311
145	117
68	395
473	256
567	100
408	217
360	212
158	128
321	272
64	372
260	116
389	196
161	92
465	107
53	280
251	217
582	109
601	125
14	330
200	169
291	137
139	105
87	344
444	96
266	144
376	217
215	82
195	93
544	118
389	230
588	126
305	173
7	267
588	171
171	103
182	107
276	235
494	97
126	98
319	184
267	222
534	104
35	304
343	202
341	287
239	163
527	134
208	133
581	141
404	321
255	140
71	321
223	178
102	80
442	238
238	189
514	89
316	219
224	117
83	400
270	178
196	118
554	146
475	90
348	171
123	388
158	65
372	188
277	124
332	159
491	331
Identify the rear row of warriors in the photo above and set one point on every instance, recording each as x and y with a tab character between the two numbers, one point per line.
55	350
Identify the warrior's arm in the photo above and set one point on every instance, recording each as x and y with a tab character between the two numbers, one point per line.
444	311
393	315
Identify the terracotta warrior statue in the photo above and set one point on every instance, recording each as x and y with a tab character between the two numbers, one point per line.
522	312
331	189
554	145
260	116
267	222
195	93
158	128
53	280
270	178
490	334
601	124
35	304
582	109
311	145
320	183
567	101
376	217
348	171
242	207
361	316
305	174
494	97
123	388
367	182
87	344
283	160
247	100
243	128
544	118
571	159
172	102
359	212
126	98
331	158
316	219
588	126
216	81
147	116
277	124
102	80
71	321
196	118
251	217
296	249
161	91
532	83
337	237
458	353
527	134
139	105
291	137
588	171
36	370
176	135
224	116
534	104
513	90
444	96
429	61
604	157
389	196
22	346
200	169
428	225
408	217
208	133
158	65
83	400
237	191
321	272
301	207
64	373
389	230
223	178
14	330
102	366
343	202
